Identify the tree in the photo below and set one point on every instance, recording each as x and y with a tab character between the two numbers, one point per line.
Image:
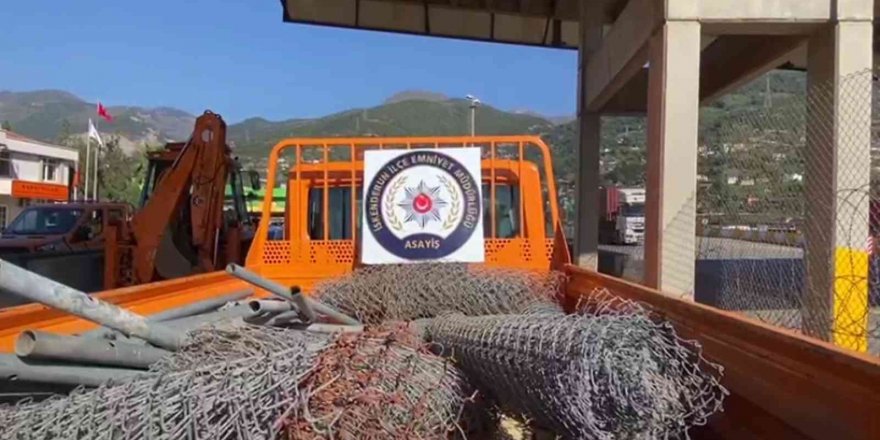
119	174
6	125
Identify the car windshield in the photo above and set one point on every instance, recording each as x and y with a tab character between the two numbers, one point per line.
633	210
44	221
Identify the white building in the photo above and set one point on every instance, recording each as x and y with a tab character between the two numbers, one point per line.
32	171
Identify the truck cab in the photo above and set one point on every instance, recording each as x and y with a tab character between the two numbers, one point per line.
319	234
623	219
61	227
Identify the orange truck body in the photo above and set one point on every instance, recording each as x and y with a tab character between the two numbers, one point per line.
783	385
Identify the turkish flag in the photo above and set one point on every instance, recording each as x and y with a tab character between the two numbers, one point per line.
102	112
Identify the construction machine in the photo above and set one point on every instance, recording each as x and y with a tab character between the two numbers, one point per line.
184	224
783	384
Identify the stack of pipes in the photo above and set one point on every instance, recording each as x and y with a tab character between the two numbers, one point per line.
126	344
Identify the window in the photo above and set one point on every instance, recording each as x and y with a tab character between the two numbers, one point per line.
50	170
5	163
340	213
44	221
633	210
506	211
3	216
96	223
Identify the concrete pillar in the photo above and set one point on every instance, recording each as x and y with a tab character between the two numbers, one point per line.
587	227
837	181
673	113
586	240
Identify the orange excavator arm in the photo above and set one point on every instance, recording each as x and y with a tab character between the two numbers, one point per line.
198	175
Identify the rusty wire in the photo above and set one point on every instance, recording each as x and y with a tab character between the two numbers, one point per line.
378	385
616	374
411	291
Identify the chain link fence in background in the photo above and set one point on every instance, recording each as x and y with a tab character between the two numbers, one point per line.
781	238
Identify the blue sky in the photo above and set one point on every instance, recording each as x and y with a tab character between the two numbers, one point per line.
239	59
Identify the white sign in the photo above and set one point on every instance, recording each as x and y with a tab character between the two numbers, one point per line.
422	205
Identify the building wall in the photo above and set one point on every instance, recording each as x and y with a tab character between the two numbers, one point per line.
28	161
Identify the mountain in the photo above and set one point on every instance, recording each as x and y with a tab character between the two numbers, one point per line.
50	114
416	95
410	117
556	120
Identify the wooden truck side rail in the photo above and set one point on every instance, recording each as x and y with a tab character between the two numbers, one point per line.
783	385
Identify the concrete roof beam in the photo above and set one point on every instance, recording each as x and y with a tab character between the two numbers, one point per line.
734	60
623	52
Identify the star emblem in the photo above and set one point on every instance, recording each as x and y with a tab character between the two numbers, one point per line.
422	204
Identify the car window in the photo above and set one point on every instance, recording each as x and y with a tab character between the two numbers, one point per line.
44	220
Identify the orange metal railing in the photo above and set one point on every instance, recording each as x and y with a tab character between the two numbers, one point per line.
521	162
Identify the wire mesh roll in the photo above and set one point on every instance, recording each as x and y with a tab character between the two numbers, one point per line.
612	376
375	294
378	386
239	398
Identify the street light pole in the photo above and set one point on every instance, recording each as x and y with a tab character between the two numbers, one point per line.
475	102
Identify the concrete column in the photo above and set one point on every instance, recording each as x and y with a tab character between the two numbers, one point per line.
673	113
837	181
587	227
586	240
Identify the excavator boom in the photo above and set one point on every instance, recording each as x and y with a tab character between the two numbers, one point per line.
178	228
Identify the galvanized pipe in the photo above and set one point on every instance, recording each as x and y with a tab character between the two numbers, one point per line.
53	294
263	306
183	325
200	307
291	294
195	308
35	344
284	319
306	305
14	368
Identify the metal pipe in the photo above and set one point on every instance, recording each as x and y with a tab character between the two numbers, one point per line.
306	305
291	294
53	294
195	308
15	369
263	306
35	344
284	319
183	325
200	307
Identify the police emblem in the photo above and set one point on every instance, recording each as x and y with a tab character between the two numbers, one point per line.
423	204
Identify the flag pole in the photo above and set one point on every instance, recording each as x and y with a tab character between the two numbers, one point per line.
88	162
97	155
75	179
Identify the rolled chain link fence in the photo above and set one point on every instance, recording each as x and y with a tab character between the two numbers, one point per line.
252	382
786	224
609	372
375	294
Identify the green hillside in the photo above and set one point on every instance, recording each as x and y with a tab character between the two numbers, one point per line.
51	114
254	137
